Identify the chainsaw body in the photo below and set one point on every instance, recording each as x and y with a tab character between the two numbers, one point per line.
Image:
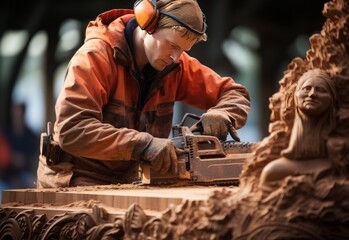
202	159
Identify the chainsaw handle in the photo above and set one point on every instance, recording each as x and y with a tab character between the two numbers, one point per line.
196	127
189	115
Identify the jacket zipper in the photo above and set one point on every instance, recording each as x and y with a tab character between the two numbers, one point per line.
138	108
151	91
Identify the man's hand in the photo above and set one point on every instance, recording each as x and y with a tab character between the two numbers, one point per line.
161	155
216	123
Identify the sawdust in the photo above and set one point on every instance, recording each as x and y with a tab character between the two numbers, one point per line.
119	187
78	204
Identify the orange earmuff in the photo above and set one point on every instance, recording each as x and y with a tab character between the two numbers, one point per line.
146	14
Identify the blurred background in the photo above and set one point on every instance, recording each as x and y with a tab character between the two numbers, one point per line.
252	41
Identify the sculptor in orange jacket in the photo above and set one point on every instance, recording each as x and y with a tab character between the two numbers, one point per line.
115	109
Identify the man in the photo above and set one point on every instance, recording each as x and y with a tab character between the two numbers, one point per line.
115	110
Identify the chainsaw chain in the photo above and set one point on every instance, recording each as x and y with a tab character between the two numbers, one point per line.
237	147
234	144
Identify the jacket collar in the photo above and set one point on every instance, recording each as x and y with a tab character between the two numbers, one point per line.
109	27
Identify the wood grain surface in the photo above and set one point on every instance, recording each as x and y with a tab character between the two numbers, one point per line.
114	196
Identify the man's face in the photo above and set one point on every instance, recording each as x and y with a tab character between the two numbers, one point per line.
165	46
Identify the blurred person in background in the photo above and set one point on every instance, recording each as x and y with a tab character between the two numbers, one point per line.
19	149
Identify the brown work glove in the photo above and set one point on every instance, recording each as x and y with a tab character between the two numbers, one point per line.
161	155
216	123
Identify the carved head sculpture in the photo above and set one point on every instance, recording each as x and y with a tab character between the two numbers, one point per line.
314	100
314	93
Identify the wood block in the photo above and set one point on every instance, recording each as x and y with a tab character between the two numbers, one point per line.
114	196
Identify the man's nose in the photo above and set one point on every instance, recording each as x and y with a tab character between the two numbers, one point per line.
175	56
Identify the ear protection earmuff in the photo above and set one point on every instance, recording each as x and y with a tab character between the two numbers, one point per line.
147	16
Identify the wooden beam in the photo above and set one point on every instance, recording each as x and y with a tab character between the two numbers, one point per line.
114	196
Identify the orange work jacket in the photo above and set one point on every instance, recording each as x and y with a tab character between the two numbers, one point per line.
98	112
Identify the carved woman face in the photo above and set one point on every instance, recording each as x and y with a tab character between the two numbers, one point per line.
314	96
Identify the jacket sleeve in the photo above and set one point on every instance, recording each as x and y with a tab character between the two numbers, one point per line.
203	88
79	127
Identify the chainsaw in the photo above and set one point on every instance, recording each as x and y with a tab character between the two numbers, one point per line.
202	159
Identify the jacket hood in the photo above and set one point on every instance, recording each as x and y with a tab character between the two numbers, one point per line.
109	27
